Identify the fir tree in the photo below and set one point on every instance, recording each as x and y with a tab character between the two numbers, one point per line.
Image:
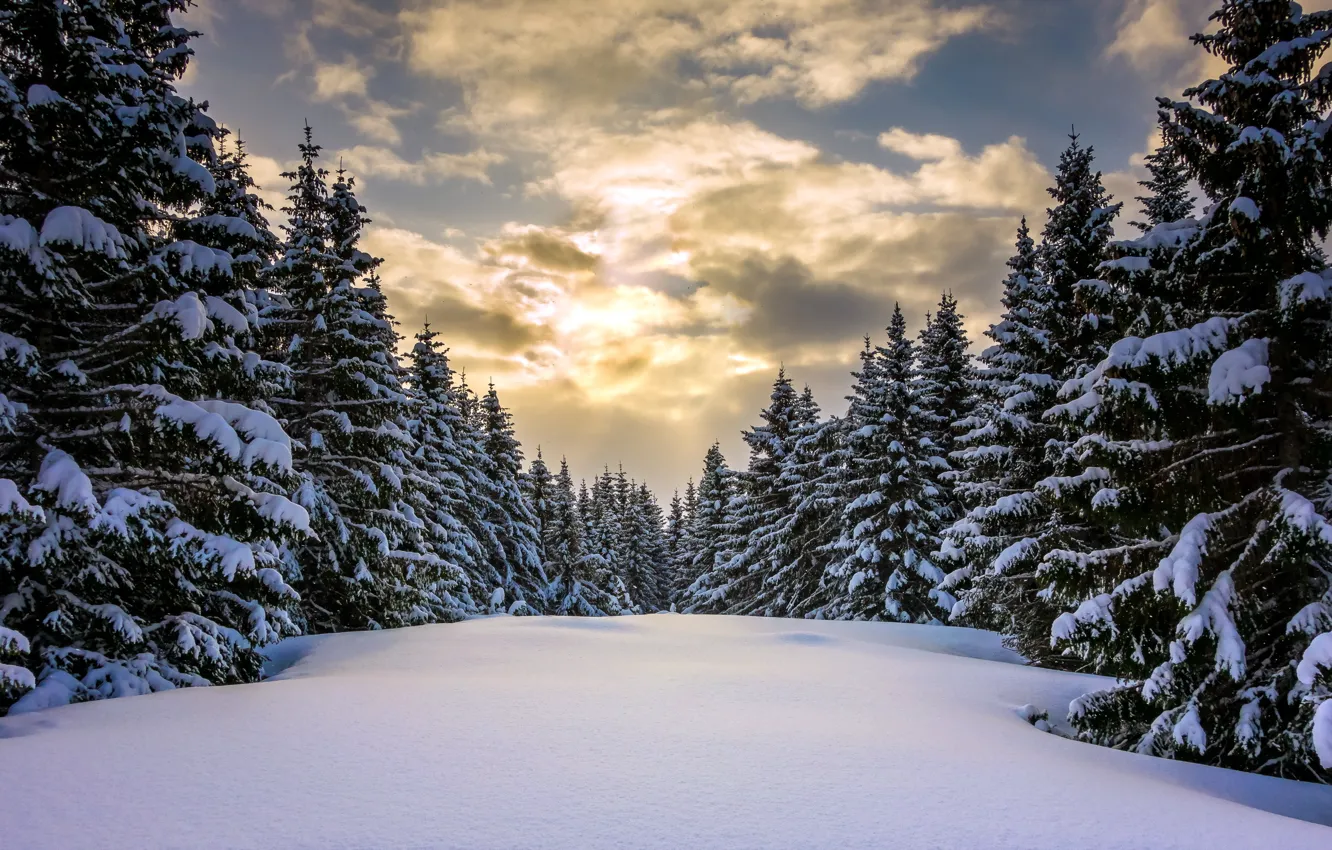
446	478
1016	463
711	523
1167	197
580	582
810	477
537	485
345	407
1210	439
514	555
891	511
758	511
141	479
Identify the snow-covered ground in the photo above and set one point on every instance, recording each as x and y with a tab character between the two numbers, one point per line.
665	731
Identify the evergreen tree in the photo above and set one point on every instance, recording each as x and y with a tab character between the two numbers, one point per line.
758	512
1167	197
810	477
1212	601
677	546
514	555
580	582
141	479
891	511
711	523
536	486
947	388
645	549
1016	463
446	478
345	408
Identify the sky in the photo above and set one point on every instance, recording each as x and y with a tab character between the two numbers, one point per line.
629	214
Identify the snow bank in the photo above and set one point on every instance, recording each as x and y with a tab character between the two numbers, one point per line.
666	731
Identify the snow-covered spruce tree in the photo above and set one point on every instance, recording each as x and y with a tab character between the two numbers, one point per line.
445	477
810	477
711	526
646	561
1055	326
1167	198
345	407
136	551
892	513
581	583
1214	605
758	512
677	544
514	557
947	388
686	547
536	486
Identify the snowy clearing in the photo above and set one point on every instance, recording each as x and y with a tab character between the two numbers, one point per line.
663	731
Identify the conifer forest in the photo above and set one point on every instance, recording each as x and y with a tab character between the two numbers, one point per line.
215	435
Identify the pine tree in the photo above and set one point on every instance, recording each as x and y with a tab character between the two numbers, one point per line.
514	555
891	511
581	582
710	528
810	477
446	478
1016	463
141	479
645	549
947	387
346	406
1213	602
677	546
758	511
536	486
1167	197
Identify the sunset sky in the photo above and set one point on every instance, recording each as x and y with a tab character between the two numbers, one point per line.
628	213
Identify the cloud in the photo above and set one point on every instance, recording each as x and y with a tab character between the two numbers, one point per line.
524	62
1153	37
372	161
335	80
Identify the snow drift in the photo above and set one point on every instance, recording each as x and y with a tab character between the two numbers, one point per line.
664	731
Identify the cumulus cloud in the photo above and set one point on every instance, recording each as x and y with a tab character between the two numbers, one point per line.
521	61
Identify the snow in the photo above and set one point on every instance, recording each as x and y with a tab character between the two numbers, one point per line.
1245	207
193	257
665	731
60	474
81	229
1238	371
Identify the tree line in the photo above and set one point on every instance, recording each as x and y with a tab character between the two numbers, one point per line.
208	439
1134	478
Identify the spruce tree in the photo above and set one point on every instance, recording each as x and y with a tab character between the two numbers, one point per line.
445	478
810	477
947	387
1016	463
677	546
891	511
581	583
711	524
346	408
536	486
141	479
1167	197
514	554
647	566
1213	602
758	511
